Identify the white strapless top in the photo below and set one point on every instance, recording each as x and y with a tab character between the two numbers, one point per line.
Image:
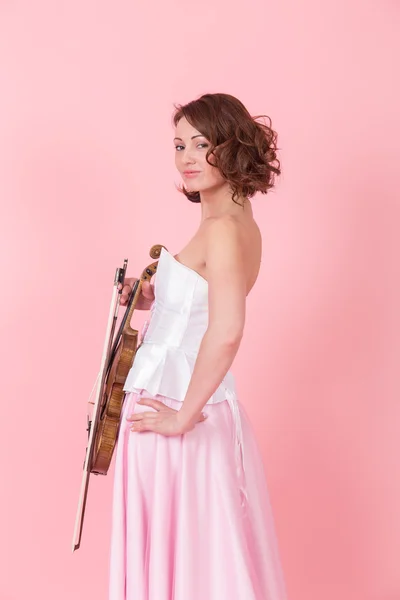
165	359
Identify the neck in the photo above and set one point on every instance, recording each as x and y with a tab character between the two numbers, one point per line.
215	203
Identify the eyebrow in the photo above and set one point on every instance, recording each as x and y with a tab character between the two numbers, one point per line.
192	138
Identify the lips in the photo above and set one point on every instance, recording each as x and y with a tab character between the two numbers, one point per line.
190	172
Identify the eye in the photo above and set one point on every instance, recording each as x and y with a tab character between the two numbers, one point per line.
198	145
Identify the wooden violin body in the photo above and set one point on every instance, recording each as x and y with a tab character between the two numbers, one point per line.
118	355
112	401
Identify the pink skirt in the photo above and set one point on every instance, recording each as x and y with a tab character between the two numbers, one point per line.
181	529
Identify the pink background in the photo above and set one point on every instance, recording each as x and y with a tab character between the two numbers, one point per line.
87	178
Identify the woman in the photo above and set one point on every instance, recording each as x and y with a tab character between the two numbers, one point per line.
191	513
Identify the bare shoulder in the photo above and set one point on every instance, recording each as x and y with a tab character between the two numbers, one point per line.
234	241
225	229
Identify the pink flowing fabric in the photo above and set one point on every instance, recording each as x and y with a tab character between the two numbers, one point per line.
180	527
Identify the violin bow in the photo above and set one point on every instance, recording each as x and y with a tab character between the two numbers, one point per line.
92	423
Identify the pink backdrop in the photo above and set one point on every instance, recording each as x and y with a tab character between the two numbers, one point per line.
87	178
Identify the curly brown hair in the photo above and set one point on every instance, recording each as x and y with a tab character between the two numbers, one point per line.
244	150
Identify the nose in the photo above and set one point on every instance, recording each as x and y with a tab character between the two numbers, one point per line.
187	156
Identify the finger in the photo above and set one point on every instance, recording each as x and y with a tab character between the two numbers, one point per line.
144	425
135	417
141	416
124	295
138	426
157	404
147	289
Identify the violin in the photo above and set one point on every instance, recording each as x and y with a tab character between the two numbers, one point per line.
103	422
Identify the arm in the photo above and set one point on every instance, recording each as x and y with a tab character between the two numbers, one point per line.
226	305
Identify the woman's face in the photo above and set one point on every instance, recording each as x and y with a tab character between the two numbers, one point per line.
190	155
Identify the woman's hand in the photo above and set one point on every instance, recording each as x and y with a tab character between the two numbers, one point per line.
165	420
146	297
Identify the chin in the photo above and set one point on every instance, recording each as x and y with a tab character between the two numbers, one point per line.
192	188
